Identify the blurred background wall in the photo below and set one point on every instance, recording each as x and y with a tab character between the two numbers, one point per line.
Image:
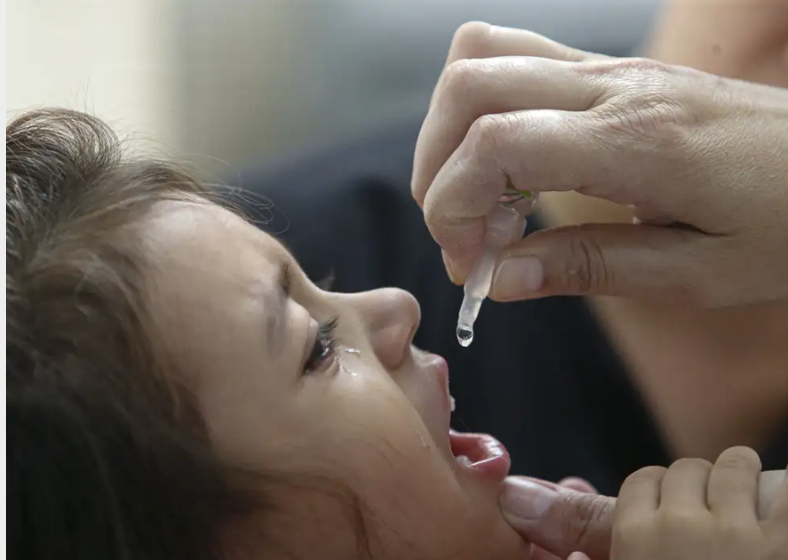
113	58
246	80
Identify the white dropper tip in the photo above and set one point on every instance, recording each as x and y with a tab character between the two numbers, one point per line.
501	225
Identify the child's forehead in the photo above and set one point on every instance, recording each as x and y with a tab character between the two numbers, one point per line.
203	234
208	258
206	220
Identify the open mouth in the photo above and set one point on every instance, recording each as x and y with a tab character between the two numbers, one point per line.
480	454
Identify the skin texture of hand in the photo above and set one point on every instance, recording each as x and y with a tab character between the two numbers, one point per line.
693	510
572	484
701	160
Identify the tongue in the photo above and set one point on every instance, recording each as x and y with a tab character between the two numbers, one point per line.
467	445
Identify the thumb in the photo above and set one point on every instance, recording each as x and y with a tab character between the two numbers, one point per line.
558	519
609	259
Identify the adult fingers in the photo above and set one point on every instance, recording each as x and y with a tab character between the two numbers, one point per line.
571	483
733	485
684	486
477	39
639	497
472	88
557	519
528	149
562	521
612	259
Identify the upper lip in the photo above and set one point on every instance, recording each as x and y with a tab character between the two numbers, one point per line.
487	455
435	364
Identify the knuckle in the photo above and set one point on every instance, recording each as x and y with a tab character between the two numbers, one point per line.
677	522
646	474
648	115
451	233
489	133
628	74
587	270
590	514
630	66
737	458
471	40
735	532
457	80
646	101
641	64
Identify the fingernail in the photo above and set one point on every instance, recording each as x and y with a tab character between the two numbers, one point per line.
518	277
524	499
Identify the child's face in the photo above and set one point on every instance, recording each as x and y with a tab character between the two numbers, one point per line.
238	314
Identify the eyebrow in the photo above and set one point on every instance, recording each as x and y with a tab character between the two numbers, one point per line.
277	317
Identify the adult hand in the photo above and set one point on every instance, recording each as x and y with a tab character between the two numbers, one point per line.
701	159
562	521
573	484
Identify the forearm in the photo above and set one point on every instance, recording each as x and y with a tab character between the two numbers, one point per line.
743	39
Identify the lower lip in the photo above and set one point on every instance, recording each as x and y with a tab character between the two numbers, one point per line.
489	458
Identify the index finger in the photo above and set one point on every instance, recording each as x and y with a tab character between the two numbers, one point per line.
533	150
441	134
477	39
471	89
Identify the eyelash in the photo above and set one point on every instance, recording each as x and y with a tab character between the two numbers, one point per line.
324	346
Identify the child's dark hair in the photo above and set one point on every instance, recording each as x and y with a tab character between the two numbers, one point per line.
107	455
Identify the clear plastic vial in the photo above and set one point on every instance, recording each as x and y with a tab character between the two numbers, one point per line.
502	223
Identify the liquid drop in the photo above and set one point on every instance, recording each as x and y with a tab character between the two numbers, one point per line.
464	336
343	369
353	351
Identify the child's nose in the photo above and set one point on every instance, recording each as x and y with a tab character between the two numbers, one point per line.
392	317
